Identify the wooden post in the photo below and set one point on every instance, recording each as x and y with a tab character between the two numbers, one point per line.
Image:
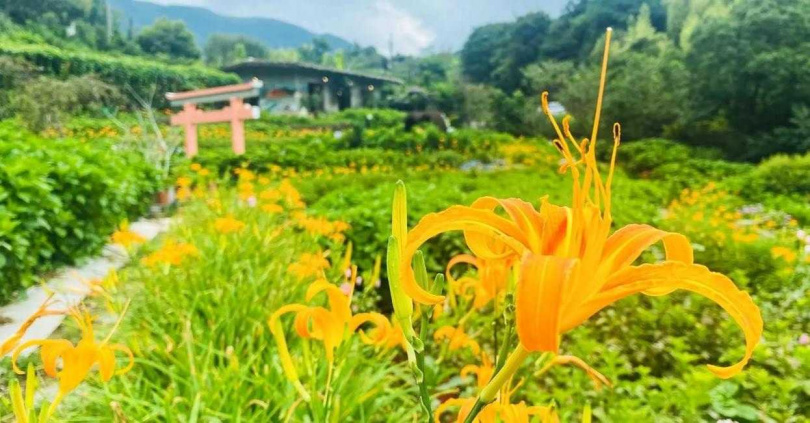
190	129
237	126
235	113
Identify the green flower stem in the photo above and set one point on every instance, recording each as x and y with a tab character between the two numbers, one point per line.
424	396
490	391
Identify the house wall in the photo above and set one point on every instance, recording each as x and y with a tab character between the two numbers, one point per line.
284	90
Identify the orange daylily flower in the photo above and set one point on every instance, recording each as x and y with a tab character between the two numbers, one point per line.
308	265
457	338
227	225
126	237
11	343
483	372
493	275
558	360
571	264
498	412
171	253
328	325
77	360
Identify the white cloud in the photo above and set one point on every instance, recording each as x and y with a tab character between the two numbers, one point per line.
415	25
385	21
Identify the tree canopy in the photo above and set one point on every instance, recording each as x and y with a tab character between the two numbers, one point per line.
170	38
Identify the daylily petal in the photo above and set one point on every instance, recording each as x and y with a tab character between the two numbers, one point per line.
106	363
556	222
626	245
338	301
461	258
278	333
454	218
76	364
520	212
50	351
130	357
538	300
598	378
695	278
382	327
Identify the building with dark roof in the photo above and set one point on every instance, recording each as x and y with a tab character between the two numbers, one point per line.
292	87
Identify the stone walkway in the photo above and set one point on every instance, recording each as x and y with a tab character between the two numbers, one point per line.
68	286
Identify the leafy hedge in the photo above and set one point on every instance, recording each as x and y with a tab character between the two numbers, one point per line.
143	76
365	200
61	199
312	156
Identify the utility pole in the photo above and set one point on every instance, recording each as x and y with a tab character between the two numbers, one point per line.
390	52
109	22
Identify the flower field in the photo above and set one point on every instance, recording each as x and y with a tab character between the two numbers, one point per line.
280	295
345	269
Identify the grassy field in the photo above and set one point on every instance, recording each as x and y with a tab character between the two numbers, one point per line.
198	323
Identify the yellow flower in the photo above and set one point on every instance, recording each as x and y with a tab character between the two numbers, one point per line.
328	325
272	208
492	276
227	225
309	265
171	253
457	339
245	174
126	237
483	372
270	195
77	360
784	253
498	412
571	265
10	343
196	167
183	182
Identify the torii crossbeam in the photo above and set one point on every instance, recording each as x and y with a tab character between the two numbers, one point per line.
235	113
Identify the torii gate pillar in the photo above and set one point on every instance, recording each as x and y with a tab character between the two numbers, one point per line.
236	112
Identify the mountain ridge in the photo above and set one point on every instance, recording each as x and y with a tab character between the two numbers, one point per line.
202	22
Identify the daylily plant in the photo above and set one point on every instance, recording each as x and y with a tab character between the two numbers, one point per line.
329	325
492	276
571	265
77	360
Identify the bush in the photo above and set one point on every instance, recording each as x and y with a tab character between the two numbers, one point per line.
312	156
60	201
45	101
781	174
674	165
145	77
365	201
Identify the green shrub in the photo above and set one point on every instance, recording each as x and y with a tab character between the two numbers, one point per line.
149	79
44	101
365	201
313	156
60	201
781	174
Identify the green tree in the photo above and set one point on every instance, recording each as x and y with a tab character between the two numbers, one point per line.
751	69
526	36
364	58
23	11
170	38
648	84
314	52
225	49
571	36
483	51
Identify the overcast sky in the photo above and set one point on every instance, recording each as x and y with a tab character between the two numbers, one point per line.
417	26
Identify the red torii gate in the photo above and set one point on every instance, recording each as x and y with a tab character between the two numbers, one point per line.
235	113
